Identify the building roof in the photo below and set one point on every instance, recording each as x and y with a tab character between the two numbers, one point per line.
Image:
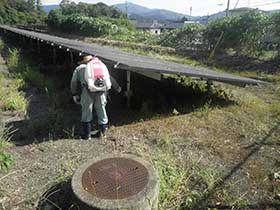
148	25
158	25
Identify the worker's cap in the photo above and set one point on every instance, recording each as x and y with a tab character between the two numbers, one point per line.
86	59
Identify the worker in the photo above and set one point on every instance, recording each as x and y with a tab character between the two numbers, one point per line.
92	78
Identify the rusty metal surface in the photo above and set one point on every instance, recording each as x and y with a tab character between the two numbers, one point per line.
115	178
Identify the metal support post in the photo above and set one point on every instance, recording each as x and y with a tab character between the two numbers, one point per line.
209	86
38	46
227	11
128	87
31	43
71	59
54	56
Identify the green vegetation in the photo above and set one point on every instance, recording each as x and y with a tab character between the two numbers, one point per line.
96	20
90	10
244	32
275	28
6	158
201	156
11	98
26	73
23	75
21	12
85	25
186	39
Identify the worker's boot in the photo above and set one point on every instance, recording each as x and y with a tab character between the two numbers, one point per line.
87	131
102	129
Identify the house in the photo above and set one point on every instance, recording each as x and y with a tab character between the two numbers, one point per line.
157	28
154	28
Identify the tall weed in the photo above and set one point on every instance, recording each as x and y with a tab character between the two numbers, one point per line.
2	45
6	158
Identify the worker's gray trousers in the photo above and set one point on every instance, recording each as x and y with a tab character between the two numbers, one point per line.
98	100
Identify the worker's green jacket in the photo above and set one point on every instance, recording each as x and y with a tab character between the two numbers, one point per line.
88	99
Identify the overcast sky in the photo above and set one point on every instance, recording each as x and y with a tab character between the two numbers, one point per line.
199	7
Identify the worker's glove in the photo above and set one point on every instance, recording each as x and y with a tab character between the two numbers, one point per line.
77	100
119	89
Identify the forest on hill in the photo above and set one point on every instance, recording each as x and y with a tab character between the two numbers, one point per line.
250	34
14	12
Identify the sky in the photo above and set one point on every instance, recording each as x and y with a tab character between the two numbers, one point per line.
199	7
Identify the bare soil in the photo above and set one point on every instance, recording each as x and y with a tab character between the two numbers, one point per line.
237	146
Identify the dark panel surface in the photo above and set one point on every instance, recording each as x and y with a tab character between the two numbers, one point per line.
133	62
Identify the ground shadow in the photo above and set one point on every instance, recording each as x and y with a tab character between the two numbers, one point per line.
202	202
61	197
52	117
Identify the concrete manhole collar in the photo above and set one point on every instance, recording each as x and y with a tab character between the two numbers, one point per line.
117	181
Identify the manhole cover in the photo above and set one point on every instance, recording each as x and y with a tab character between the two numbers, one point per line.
115	178
117	181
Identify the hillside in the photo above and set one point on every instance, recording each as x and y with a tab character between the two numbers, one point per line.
135	10
205	19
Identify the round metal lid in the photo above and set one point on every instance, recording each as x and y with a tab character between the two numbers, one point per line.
115	178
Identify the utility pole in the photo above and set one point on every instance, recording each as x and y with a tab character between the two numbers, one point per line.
190	11
227	12
126	8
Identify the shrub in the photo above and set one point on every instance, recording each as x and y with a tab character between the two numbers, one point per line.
275	29
13	59
241	33
189	38
89	26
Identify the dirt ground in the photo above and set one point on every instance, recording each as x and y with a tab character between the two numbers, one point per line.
233	149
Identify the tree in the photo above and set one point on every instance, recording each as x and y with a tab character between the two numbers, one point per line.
38	4
20	12
184	19
241	33
64	4
31	4
275	30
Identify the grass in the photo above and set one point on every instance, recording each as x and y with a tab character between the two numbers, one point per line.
219	131
11	98
2	45
6	158
27	73
183	181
